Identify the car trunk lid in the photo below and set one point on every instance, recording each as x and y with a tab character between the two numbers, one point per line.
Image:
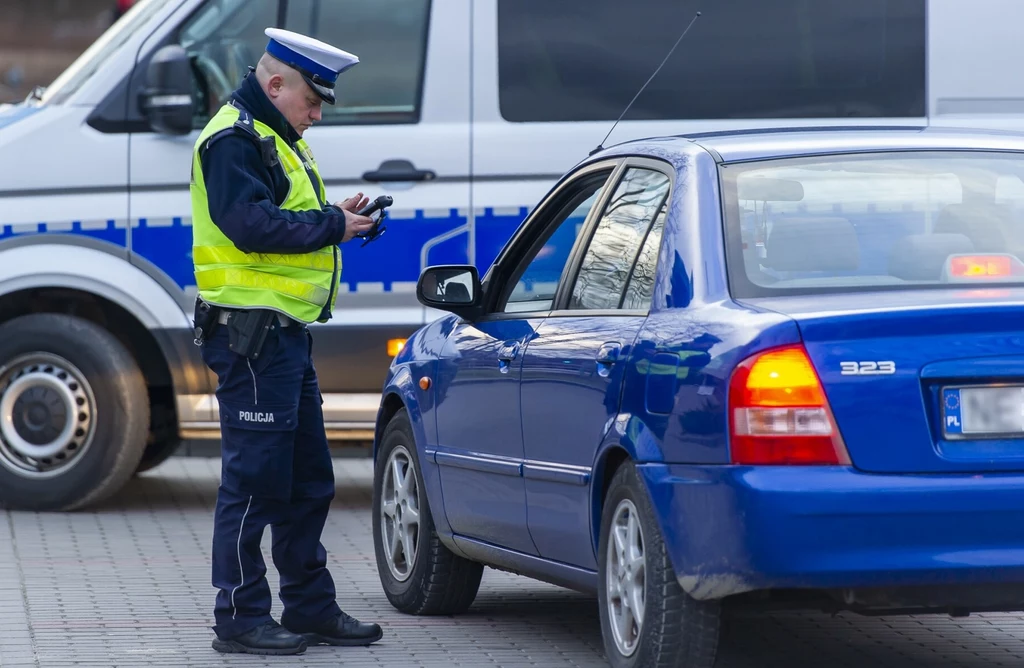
919	381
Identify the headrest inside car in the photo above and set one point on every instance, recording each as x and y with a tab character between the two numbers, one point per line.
812	244
985	224
921	257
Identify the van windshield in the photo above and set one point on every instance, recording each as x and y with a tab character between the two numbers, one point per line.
881	221
100	51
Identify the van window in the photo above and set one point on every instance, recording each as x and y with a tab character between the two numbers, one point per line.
223	41
389	37
586	59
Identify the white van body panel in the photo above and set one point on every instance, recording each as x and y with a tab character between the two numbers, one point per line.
51	156
91	270
974	63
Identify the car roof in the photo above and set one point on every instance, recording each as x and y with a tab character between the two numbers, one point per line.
742	145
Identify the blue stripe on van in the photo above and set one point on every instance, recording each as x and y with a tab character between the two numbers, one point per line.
111	231
391	263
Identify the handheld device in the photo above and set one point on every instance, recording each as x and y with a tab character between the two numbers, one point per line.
380	204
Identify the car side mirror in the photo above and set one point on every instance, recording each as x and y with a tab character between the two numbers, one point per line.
167	99
453	288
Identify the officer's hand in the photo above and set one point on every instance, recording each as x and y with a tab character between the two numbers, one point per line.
353	204
355	224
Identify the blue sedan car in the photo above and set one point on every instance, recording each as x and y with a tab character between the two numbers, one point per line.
741	368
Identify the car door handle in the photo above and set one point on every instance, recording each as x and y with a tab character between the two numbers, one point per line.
508	352
607	356
398	170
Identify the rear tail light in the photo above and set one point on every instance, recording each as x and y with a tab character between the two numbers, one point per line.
778	413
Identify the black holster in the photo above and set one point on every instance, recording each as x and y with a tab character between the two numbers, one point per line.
247	331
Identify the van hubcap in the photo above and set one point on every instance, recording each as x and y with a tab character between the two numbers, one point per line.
625	577
400	513
47	413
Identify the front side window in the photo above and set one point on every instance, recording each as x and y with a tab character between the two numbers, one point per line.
874	221
612	252
226	37
389	37
535	285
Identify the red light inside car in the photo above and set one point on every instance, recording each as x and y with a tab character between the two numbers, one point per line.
779	413
980	266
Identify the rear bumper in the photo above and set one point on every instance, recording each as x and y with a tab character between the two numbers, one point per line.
729	529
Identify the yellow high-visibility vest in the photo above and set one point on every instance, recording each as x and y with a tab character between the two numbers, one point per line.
303	286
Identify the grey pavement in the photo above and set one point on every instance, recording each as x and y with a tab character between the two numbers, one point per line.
128	584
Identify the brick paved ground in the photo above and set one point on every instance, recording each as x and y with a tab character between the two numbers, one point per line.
128	585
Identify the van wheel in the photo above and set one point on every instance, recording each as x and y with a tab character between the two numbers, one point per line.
419	574
163	439
74	413
647	620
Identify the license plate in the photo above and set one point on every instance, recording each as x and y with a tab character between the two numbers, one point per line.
983	411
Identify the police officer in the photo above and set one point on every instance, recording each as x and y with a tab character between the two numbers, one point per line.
267	263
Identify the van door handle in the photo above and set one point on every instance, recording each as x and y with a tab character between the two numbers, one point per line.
607	356
398	170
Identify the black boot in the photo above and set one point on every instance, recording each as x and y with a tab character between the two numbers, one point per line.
269	638
342	630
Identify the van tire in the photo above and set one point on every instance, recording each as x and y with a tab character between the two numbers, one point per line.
440	582
163	440
106	413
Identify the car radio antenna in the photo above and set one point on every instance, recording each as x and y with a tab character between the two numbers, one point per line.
600	147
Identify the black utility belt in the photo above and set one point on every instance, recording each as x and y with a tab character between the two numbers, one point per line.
284	321
247	328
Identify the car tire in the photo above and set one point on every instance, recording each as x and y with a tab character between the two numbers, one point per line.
437	582
74	413
674	629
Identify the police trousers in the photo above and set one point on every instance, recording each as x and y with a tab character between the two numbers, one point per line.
276	471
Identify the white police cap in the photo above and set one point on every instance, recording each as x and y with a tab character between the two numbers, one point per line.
317	62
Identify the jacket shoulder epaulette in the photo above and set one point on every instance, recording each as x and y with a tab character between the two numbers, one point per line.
246	126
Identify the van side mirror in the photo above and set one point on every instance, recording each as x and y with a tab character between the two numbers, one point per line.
453	288
167	99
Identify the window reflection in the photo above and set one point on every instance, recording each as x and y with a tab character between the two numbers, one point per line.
640	290
609	260
535	290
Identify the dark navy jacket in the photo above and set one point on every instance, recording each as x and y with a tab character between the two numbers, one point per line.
245	196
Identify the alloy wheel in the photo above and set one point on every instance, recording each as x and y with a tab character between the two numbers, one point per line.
626	577
400	513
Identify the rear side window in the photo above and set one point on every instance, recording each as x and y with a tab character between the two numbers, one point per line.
584	60
611	261
874	221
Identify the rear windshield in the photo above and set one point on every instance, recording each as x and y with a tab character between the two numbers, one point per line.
877	221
